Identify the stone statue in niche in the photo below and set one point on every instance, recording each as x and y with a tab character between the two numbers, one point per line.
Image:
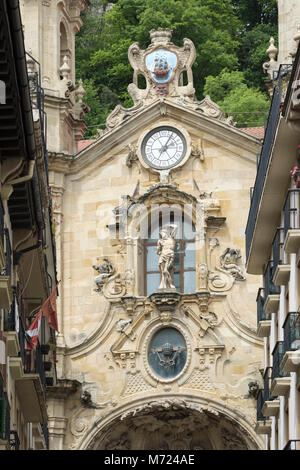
166	252
229	263
105	270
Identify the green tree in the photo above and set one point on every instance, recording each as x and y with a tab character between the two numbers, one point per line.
228	34
247	105
102	45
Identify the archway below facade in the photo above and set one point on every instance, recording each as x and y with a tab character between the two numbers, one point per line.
172	426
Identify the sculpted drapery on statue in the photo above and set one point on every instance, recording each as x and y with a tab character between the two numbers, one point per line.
166	252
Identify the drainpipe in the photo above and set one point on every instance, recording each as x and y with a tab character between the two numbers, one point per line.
25	178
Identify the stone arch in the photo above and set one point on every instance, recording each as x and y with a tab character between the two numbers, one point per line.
64	42
175	422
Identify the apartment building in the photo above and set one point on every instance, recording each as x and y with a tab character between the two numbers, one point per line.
273	250
27	251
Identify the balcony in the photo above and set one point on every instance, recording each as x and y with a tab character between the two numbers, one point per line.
4	419
272	292
280	269
271	181
263	318
291	358
291	211
5	280
2	253
28	371
10	328
280	379
271	405
292	445
263	425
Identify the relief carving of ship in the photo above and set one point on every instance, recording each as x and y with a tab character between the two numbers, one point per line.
161	66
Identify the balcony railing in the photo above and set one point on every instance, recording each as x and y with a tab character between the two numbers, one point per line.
277	248
1	221
269	286
267	384
7	270
278	353
293	445
291	210
264	159
45	432
4	414
32	359
291	329
260	302
259	405
14	440
10	317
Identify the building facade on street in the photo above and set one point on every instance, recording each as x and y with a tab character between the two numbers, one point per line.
273	244
27	253
157	346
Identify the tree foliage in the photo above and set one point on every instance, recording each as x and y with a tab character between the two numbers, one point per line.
228	35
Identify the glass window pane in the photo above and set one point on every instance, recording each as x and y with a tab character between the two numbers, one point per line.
189	255
189	282
177	281
188	230
177	257
153	281
152	258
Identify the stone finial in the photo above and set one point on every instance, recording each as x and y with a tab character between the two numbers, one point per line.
272	50
80	91
65	68
160	35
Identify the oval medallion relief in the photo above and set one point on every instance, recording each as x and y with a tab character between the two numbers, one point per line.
167	353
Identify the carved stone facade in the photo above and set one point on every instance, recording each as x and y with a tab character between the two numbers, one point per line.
176	361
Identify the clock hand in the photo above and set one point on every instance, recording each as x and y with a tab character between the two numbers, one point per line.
165	147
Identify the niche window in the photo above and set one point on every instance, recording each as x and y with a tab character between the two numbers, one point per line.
184	261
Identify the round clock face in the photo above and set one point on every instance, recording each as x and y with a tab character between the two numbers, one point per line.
163	147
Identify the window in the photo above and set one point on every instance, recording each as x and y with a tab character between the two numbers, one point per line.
184	262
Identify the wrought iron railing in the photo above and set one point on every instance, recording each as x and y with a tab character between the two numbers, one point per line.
259	405
4	414
292	445
32	359
264	160
14	440
7	270
291	210
45	432
10	317
260	302
278	353
269	286
37	98
291	329
1	222
277	248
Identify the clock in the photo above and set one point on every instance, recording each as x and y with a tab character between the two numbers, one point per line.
163	147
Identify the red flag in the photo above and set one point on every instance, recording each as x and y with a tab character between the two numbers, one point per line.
33	331
49	309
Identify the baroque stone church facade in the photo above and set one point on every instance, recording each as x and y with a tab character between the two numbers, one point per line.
157	344
143	367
